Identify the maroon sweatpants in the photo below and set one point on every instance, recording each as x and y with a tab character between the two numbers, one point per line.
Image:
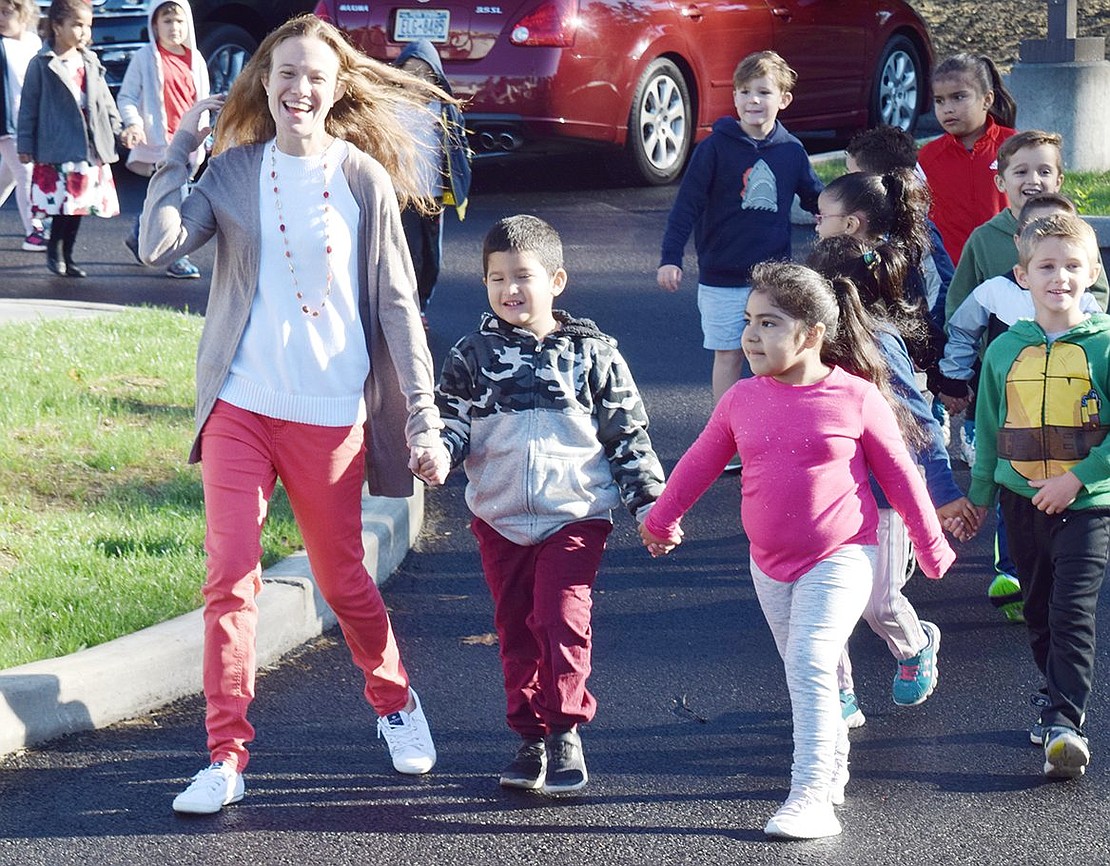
541	609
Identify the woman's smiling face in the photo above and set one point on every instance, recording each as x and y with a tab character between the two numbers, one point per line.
301	88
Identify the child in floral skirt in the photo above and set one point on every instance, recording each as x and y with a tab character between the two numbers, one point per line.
68	124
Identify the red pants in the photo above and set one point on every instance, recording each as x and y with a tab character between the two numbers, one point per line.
243	455
541	604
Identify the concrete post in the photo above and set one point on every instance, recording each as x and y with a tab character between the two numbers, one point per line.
1062	84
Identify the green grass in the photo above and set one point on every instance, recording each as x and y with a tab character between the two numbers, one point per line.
101	518
1090	190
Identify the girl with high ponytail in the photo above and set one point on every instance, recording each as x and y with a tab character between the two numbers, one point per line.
811	426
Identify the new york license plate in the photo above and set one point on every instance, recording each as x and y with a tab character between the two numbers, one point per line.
412	24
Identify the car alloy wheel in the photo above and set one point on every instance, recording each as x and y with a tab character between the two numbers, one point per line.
898	82
228	48
660	125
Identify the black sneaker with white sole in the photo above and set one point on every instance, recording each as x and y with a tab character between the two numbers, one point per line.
566	765
528	769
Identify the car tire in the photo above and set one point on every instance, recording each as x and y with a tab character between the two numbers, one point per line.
660	125
227	48
898	90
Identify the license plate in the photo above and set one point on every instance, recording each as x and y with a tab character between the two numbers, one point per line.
431	24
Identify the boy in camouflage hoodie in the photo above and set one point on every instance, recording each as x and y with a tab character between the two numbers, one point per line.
544	416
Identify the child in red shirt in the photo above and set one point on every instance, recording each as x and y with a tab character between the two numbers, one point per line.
162	82
978	114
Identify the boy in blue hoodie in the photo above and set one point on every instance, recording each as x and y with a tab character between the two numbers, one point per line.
446	169
735	198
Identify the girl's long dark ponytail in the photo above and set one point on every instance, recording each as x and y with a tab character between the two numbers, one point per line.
856	349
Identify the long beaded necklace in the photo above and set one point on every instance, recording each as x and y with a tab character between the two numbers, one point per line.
305	308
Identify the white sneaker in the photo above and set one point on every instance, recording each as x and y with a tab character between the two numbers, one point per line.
212	788
410	741
806	814
1066	754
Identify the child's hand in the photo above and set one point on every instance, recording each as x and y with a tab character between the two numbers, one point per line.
26	158
960	518
657	546
1056	494
955	405
132	135
431	464
669	277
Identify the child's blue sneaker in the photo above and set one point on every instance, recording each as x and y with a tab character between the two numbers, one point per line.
850	711
1066	754
917	676
1005	594
183	269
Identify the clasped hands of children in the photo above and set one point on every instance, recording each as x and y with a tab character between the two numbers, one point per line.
959	517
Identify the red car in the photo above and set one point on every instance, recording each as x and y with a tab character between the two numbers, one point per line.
651	76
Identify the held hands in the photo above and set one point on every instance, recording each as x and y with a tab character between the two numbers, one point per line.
1056	494
669	277
657	546
961	518
431	464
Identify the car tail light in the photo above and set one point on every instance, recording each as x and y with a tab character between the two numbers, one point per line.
321	11
552	25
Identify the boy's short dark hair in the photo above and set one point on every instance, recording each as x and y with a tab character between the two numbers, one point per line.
1043	201
162	7
882	149
1029	138
769	64
524	233
1058	225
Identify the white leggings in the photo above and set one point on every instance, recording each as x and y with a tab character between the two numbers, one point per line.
15	175
888	612
811	619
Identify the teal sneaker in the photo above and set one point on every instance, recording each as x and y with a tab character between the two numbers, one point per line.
1005	594
849	709
1066	754
917	676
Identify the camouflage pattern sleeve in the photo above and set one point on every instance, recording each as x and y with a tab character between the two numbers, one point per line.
622	424
454	399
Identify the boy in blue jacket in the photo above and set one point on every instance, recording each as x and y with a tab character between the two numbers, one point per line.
445	170
735	198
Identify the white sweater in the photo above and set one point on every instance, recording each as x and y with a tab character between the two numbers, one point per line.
318	374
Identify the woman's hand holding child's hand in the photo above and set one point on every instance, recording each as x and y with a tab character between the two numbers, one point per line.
657	546
960	518
431	464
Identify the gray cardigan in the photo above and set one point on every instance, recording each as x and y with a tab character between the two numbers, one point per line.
399	400
51	126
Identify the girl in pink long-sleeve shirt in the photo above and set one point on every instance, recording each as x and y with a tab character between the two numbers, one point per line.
808	433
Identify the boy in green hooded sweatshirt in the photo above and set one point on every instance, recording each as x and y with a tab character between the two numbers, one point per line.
1042	448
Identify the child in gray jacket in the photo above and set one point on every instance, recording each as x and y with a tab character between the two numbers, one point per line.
542	412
